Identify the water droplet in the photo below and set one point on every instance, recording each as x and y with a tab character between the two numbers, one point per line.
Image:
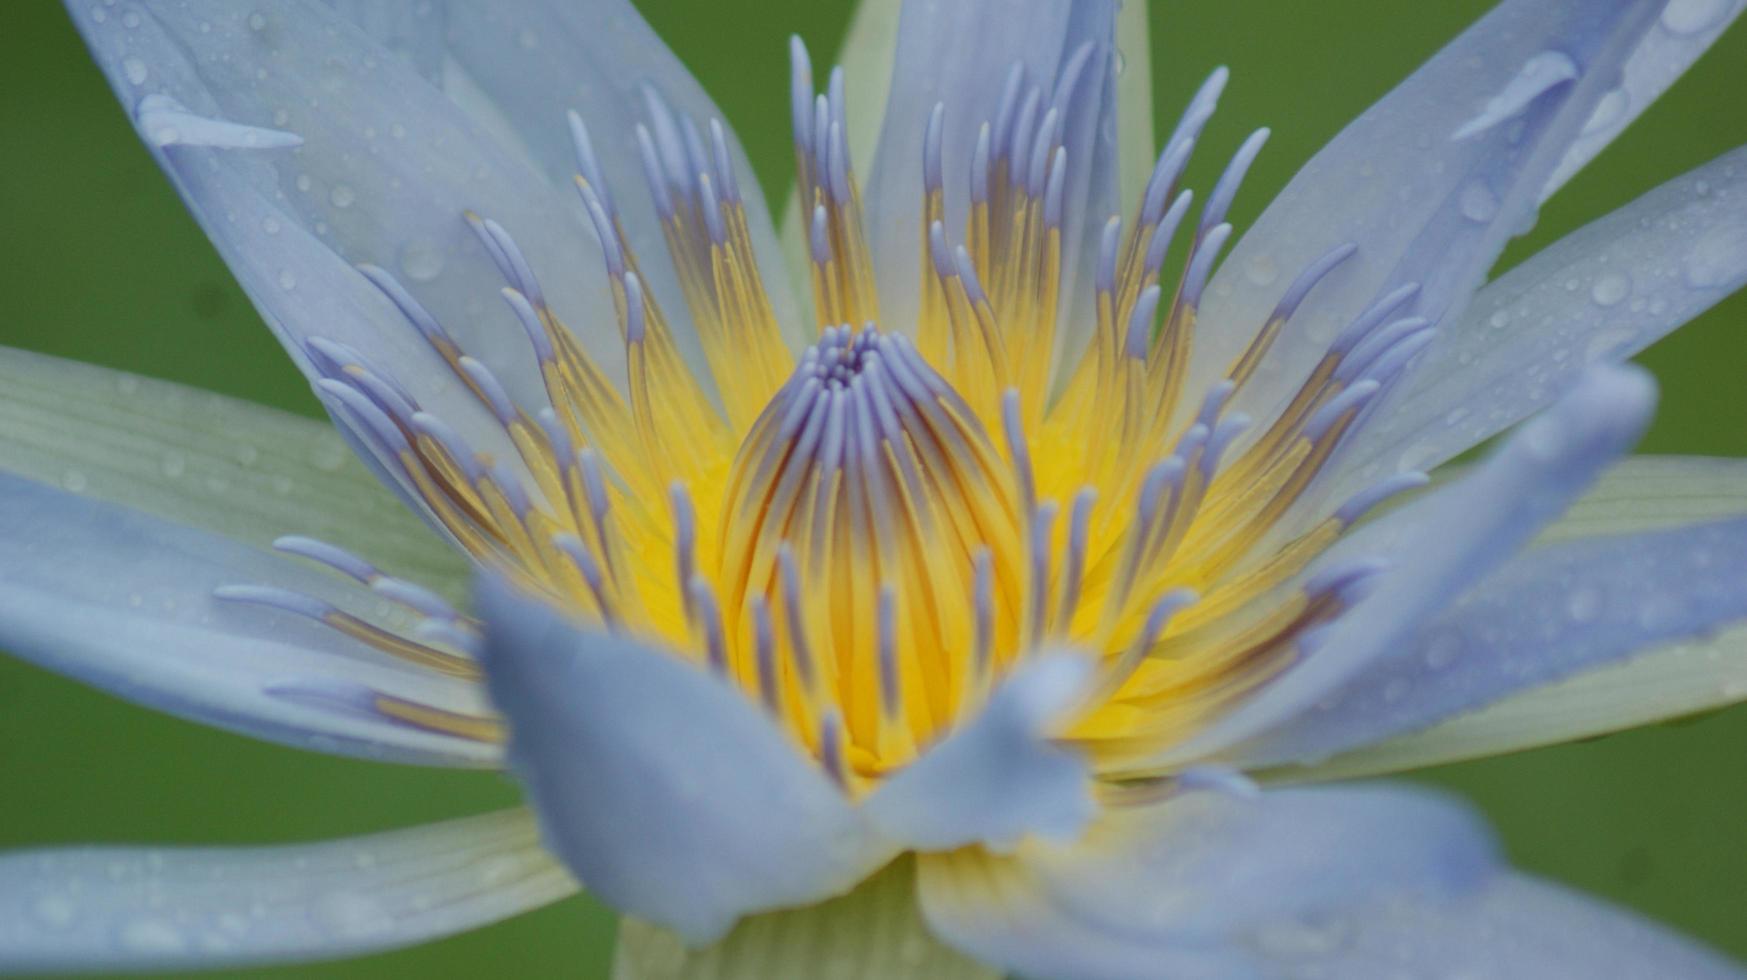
131	19
134	69
287	280
1499	320
1261	269
1718	258
351	914
528	39
257	21
1584	604
421	260
151	935
1477	202
328	455
303	183
1539	73
173	464
270	225
1694	16
99	15
1608	345
247	455
1609	112
75	481
1610	288
127	384
341	196
55	910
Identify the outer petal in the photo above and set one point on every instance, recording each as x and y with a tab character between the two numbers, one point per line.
246	471
1683	33
1602	293
124	602
1447	541
662	787
1640	494
386	168
999	777
1516	928
1173	888
959	52
1429	183
1553	612
176	908
520	65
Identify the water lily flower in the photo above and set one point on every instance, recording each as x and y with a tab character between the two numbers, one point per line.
995	600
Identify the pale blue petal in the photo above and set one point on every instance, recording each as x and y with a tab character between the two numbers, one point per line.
386	168
534	60
1542	616
183	908
1429	183
1170	888
1441	544
959	52
123	602
1685	30
1603	292
1516	928
999	777
667	792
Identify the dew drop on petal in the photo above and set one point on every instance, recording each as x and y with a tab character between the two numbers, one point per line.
57	911
1477	202
287	280
351	914
1584	604
1261	270
421	260
341	196
1608	344
1610	288
134	69
151	935
257	21
1694	16
1609	112
1718	258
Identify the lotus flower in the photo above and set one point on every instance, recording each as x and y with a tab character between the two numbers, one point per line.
973	607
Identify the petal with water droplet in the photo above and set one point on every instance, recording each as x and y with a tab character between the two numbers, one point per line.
1556	321
124	602
182	908
1555	611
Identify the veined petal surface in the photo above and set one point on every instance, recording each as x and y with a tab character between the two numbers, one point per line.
124	602
189	908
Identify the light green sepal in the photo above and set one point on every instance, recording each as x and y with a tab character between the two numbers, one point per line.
216	463
873	933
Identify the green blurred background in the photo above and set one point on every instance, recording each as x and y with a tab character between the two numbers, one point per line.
99	262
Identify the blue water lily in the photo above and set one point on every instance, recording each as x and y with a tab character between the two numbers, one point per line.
951	564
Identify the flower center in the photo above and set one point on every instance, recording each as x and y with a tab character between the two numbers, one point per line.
870	516
866	537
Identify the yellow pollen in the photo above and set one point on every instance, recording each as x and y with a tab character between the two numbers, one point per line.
866	536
